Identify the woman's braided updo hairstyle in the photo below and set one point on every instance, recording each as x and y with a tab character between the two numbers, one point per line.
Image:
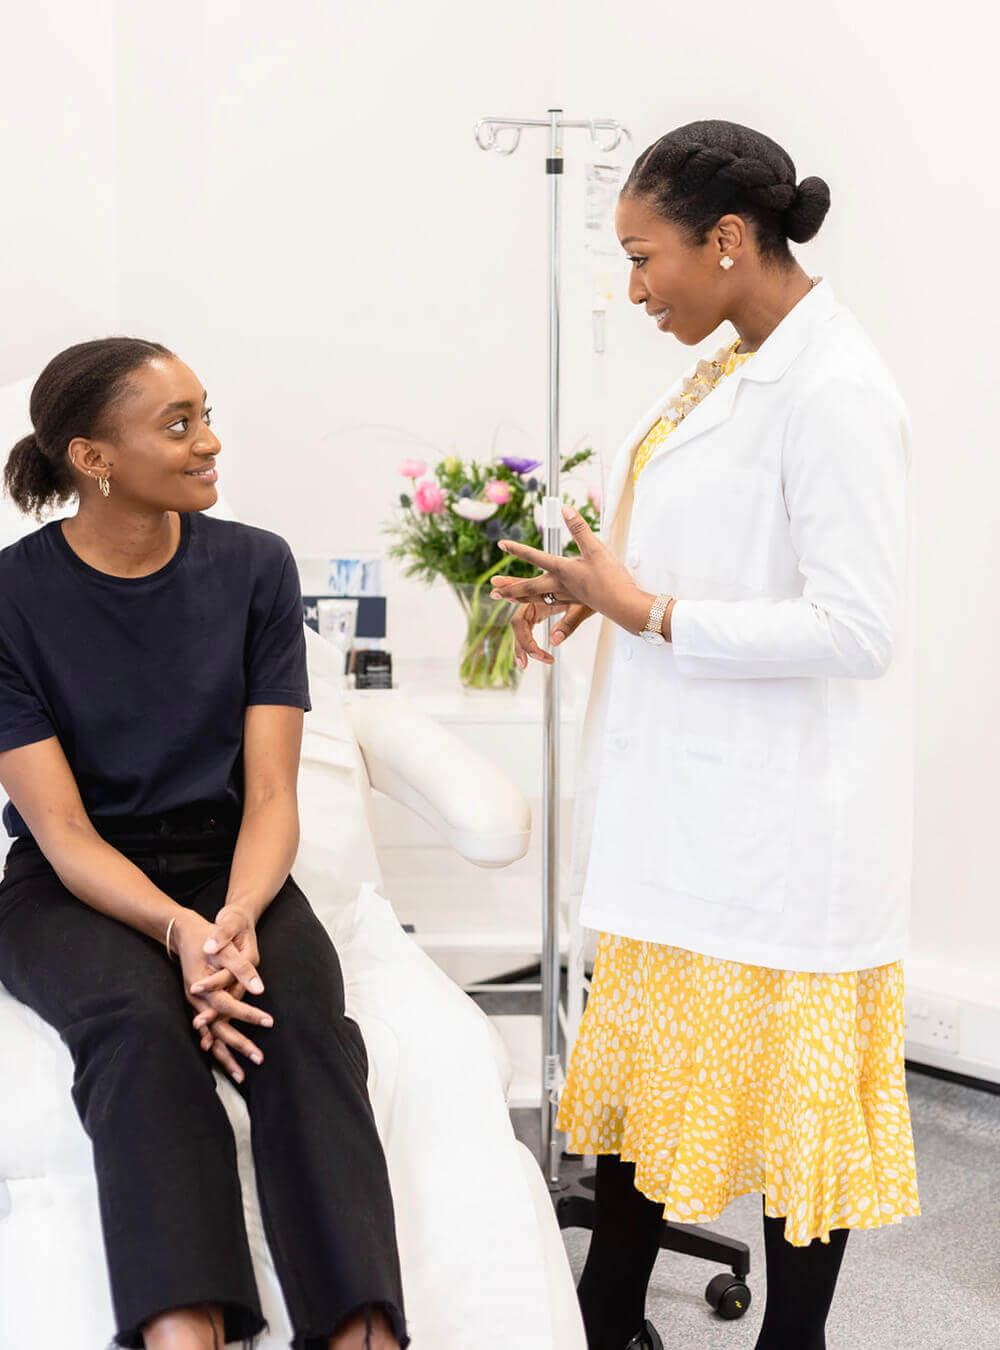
73	396
704	170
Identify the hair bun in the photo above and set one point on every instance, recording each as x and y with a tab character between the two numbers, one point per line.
28	444
807	210
30	447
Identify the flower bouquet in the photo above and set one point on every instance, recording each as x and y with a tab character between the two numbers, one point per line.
448	526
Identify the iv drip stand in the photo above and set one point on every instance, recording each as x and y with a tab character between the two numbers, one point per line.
606	135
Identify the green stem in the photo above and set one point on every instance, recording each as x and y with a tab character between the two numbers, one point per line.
479	668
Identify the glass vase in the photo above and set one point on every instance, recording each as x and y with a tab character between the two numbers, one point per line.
487	654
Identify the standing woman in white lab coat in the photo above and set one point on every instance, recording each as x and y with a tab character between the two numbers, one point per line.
743	820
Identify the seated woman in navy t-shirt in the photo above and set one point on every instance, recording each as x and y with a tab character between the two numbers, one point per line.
152	692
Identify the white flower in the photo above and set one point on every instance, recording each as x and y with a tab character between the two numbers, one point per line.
472	510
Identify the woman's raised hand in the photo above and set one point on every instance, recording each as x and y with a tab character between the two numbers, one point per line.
596	580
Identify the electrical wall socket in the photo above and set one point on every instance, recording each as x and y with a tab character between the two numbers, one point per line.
932	1022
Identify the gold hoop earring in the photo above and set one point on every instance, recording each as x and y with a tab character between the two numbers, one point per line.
725	262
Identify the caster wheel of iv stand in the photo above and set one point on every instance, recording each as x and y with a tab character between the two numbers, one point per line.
729	1296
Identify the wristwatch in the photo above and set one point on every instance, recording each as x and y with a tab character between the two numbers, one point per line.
651	633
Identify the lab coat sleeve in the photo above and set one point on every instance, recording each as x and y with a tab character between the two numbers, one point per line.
845	478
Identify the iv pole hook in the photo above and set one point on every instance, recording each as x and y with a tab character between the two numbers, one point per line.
487	139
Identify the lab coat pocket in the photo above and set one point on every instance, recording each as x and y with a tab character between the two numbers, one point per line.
729	826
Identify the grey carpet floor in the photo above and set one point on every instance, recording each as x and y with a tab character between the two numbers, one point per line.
930	1283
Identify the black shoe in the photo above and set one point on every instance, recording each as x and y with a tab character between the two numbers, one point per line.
646	1339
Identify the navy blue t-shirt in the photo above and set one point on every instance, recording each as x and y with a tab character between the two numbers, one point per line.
145	679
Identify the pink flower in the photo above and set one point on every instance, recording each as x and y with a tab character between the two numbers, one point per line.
413	468
497	491
429	499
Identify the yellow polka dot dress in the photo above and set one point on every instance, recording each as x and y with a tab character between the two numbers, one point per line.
719	1079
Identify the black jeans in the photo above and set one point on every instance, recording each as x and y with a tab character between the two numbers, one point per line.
164	1152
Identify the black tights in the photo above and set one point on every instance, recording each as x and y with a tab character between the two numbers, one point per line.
624	1247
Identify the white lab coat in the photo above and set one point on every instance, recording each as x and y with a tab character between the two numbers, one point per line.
746	791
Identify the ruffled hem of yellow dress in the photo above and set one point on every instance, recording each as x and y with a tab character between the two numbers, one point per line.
842	1177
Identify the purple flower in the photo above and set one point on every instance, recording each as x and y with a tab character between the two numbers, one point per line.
520	465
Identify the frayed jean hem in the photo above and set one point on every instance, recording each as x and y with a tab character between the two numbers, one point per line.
240	1325
315	1340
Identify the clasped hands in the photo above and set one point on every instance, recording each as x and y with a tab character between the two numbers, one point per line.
597	580
218	963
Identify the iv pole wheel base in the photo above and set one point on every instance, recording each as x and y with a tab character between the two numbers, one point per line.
728	1295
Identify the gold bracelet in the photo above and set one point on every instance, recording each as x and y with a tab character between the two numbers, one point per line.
167	938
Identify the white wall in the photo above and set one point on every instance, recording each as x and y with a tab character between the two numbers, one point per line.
58	247
304	217
307	221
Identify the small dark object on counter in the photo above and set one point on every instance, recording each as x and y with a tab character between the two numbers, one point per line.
372	668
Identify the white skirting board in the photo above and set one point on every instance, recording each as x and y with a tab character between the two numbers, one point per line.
952	1018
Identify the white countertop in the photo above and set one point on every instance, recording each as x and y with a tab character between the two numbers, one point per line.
433	686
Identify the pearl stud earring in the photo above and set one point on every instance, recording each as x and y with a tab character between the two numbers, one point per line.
725	262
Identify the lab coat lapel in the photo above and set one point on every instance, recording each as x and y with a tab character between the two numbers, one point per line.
621	464
714	408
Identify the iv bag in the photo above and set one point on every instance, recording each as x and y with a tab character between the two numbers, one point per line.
601	188
602	284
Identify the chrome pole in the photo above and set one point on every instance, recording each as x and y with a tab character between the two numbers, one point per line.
503	135
552	519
